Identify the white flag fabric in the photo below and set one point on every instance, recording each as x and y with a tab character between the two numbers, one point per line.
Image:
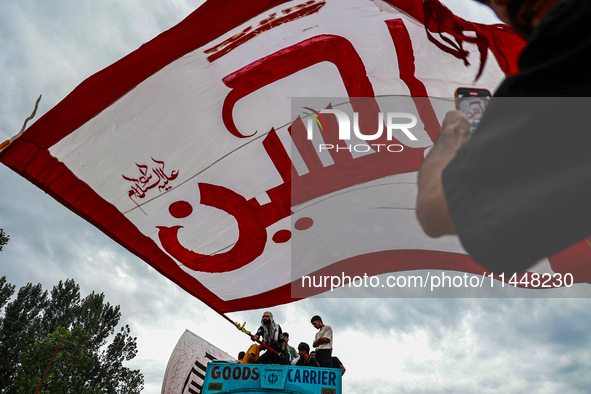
185	151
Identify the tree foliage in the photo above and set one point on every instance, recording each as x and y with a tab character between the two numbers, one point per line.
3	238
91	354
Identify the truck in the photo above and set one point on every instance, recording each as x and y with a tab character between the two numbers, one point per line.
235	378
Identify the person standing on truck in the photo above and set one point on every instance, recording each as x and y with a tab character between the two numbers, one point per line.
336	363
271	335
305	360
322	342
290	349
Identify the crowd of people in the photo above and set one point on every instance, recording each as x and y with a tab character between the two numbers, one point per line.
272	346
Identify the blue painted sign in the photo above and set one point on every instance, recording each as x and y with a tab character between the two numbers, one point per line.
222	377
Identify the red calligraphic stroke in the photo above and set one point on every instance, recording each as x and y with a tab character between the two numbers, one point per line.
279	156
250	32
252	235
330	135
406	65
305	148
288	61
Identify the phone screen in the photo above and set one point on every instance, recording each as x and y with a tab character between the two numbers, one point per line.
472	102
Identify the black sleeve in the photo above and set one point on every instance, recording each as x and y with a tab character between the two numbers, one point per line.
336	363
556	61
260	332
281	339
519	190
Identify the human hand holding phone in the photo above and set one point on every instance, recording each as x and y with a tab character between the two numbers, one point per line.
472	102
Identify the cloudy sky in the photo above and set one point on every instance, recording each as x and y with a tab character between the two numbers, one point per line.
387	345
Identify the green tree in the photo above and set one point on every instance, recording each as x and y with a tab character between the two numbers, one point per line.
6	291
3	238
91	354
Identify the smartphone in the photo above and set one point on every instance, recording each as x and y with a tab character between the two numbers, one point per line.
472	102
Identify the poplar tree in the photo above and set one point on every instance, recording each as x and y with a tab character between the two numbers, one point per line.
3	238
92	351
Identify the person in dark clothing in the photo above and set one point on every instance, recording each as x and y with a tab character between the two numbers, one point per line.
336	363
290	349
305	359
271	335
517	189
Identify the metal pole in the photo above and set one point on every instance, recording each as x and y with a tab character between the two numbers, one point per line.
241	328
49	366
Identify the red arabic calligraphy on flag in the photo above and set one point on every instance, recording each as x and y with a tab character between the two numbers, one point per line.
150	175
181	150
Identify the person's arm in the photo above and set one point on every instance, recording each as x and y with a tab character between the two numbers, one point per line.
432	211
320	341
259	333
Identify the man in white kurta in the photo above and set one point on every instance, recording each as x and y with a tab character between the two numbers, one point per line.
322	342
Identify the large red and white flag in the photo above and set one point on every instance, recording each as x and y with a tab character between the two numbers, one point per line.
186	151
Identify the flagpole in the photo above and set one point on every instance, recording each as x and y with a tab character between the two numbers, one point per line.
244	330
6	143
49	366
